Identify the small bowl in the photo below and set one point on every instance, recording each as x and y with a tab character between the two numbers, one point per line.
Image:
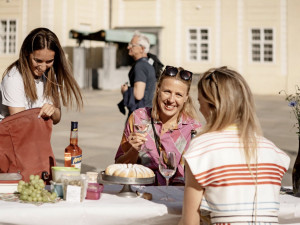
57	172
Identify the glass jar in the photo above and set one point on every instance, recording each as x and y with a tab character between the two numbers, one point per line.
94	191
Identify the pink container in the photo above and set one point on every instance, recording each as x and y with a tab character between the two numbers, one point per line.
94	191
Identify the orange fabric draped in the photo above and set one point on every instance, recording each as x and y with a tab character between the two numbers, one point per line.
25	144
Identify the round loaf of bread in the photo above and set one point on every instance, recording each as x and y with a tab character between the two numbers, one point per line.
129	170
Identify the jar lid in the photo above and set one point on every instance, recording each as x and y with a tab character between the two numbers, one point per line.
92	177
95	187
67	169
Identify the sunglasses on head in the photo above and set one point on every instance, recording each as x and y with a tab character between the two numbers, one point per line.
172	71
211	75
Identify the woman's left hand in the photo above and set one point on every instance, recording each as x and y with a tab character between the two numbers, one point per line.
50	111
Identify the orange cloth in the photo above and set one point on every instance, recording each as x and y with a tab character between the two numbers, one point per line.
25	144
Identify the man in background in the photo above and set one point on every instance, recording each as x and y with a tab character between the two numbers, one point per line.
142	77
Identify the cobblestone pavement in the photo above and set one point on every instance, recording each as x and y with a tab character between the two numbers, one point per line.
101	126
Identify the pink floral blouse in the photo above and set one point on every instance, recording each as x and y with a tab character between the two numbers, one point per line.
176	140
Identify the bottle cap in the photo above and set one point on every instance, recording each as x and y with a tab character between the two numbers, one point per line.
74	125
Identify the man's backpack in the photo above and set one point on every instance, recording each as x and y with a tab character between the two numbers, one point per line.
156	63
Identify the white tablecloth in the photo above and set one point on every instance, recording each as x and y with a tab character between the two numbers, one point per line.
289	212
110	210
114	210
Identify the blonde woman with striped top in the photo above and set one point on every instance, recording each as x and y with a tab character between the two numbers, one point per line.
231	170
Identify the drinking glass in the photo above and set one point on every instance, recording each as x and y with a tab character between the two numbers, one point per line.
142	128
167	167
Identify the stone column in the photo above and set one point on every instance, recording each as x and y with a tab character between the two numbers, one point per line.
79	66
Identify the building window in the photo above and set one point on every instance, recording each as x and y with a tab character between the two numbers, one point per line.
262	45
198	44
8	36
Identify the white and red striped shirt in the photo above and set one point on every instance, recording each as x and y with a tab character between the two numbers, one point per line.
218	164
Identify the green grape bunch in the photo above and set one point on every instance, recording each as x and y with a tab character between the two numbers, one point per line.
34	190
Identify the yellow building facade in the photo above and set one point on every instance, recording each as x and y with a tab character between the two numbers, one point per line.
256	37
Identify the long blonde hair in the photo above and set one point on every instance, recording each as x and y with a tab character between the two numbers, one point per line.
60	80
230	101
188	109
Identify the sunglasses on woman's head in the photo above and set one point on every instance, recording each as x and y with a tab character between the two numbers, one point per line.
211	75
172	71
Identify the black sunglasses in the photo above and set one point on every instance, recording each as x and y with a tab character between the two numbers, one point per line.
212	76
172	71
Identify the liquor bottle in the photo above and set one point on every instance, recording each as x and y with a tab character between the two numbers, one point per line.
73	153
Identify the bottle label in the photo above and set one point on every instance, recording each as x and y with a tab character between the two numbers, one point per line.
67	156
76	161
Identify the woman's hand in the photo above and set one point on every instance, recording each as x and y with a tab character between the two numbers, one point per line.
47	110
136	140
50	111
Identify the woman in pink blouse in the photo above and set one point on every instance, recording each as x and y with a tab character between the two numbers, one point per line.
169	125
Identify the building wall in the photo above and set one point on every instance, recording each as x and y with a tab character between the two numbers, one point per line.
201	14
229	23
263	77
293	44
13	10
229	34
60	16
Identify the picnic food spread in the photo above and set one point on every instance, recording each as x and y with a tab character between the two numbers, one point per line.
75	187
